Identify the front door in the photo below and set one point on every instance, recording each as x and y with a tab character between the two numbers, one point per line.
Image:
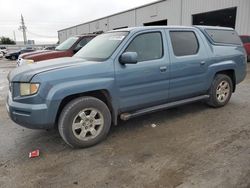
147	82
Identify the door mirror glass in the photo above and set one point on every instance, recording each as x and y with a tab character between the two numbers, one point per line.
128	58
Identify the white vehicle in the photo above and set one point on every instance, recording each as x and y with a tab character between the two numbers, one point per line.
3	50
21	61
1	54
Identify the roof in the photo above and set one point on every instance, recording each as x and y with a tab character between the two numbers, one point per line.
213	27
153	27
86	35
202	28
145	5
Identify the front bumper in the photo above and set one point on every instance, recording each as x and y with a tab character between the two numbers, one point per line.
33	116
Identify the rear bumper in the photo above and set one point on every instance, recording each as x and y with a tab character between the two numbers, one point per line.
33	116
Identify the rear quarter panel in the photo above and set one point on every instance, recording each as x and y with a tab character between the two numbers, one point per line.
227	58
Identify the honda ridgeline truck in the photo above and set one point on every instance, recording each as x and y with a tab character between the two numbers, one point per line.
124	74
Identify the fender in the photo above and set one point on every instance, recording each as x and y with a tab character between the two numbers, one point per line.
218	67
59	91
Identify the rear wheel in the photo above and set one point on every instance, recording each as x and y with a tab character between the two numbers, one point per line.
220	91
84	122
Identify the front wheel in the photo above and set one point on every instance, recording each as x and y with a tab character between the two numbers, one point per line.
84	122
220	91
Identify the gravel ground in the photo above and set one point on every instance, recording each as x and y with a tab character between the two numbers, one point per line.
190	146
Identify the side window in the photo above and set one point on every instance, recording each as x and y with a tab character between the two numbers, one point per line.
244	40
184	43
224	36
83	42
148	46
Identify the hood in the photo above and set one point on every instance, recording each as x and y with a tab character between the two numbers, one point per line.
25	73
24	55
46	54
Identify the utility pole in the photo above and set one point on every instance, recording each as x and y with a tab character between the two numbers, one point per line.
23	29
14	34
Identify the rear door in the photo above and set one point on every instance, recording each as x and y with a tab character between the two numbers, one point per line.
188	64
147	82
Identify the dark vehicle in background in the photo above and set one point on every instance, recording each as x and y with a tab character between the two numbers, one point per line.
246	42
49	48
66	49
14	55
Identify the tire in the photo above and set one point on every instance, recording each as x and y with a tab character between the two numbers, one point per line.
13	57
216	91
80	117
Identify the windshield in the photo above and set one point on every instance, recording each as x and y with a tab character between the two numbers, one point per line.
102	46
67	44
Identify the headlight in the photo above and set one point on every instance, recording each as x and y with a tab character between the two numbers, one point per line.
28	88
21	61
29	61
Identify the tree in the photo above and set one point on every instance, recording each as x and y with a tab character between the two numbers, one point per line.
6	40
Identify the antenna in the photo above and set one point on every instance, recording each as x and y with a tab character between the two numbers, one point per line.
23	28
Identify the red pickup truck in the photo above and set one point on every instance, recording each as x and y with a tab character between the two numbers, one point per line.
66	49
246	41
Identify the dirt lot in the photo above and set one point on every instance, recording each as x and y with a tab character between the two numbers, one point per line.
191	146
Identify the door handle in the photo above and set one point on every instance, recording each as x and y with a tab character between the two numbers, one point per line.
202	62
163	69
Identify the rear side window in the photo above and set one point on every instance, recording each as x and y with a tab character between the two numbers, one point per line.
245	39
84	41
148	46
184	43
224	36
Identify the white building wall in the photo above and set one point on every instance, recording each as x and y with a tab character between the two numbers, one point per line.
99	25
122	20
169	10
62	35
177	12
82	29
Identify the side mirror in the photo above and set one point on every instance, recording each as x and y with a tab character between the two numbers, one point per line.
77	49
128	58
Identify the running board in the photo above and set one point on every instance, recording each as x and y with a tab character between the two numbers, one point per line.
127	116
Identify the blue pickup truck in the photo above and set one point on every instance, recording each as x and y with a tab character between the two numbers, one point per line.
124	74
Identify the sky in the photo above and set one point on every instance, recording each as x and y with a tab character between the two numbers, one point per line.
43	18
